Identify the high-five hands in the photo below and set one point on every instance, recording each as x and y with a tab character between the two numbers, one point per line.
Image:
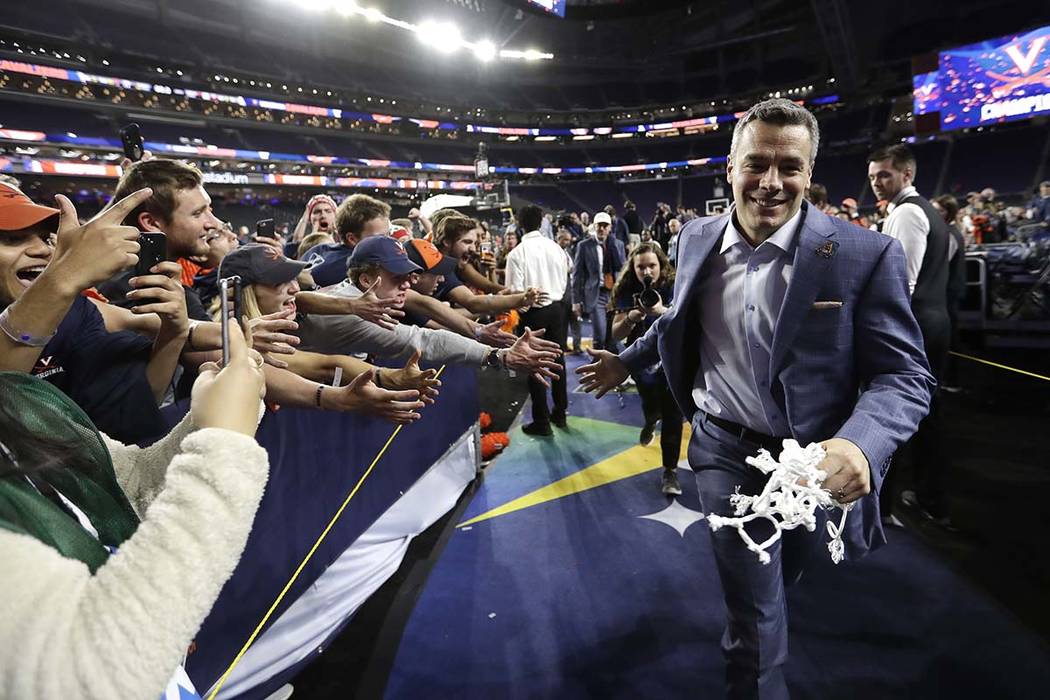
362	394
412	377
385	313
604	374
540	363
491	334
269	336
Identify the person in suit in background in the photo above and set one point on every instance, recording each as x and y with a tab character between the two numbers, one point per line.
565	241
598	261
786	323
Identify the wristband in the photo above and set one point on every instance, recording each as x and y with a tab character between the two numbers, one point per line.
379	382
317	397
477	332
21	337
189	336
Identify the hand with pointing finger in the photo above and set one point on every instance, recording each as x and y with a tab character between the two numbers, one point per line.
88	254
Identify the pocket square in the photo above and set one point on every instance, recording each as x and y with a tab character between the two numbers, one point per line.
827	304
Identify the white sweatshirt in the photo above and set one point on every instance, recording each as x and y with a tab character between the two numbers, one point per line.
122	632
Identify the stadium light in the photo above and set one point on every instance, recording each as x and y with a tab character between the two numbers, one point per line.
443	36
485	50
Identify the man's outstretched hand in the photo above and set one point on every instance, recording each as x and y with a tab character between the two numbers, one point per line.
542	364
604	374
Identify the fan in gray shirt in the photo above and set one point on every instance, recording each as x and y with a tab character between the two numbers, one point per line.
376	259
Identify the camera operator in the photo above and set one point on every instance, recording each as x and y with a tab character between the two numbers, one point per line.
641	295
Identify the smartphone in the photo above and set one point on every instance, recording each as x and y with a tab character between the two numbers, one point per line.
486	248
265	227
230	306
131	140
153	249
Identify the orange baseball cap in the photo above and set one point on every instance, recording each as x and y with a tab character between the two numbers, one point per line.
18	211
428	257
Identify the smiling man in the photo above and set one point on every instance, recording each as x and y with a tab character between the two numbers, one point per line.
787	323
179	208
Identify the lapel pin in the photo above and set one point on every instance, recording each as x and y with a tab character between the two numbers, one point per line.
828	249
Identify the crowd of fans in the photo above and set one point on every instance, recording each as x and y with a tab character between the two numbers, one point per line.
337	315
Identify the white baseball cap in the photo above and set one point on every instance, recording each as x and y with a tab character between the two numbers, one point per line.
602	218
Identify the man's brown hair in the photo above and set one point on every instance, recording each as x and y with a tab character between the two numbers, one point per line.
355	211
900	157
165	177
451	228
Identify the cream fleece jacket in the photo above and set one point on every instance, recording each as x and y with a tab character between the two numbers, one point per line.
122	632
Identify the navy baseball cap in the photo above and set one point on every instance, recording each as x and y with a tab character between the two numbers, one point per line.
256	262
385	252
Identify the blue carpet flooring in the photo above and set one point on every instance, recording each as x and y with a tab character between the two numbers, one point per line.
576	595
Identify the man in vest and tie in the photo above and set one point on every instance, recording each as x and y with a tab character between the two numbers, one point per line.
924	235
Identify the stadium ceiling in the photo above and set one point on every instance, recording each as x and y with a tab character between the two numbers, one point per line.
606	53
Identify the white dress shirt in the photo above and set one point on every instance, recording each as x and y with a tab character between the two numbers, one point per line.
909	225
539	262
741	291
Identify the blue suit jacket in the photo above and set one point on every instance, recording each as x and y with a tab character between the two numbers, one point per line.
587	273
857	371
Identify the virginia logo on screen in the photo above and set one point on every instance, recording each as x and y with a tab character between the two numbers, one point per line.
1025	62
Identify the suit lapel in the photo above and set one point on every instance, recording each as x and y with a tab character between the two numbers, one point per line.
813	258
692	257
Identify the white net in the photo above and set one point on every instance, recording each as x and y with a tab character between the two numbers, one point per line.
790	499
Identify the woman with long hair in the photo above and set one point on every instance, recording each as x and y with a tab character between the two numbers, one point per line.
641	295
113	555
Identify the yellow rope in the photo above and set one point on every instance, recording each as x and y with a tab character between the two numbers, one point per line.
996	364
306	560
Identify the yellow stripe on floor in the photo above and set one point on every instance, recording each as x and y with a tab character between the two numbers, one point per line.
623	465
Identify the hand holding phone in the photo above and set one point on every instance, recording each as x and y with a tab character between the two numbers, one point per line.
229	305
153	249
131	140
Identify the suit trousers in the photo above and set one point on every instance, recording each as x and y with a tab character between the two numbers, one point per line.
599	320
574	326
553	320
755	641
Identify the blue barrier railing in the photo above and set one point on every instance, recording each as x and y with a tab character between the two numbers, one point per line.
315	459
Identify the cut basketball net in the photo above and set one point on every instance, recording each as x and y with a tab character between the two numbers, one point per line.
790	499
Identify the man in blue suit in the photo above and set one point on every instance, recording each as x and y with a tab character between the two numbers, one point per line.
786	323
598	261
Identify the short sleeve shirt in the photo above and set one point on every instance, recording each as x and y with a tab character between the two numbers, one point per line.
450	282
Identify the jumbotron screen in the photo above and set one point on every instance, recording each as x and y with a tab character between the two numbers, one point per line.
998	80
555	7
